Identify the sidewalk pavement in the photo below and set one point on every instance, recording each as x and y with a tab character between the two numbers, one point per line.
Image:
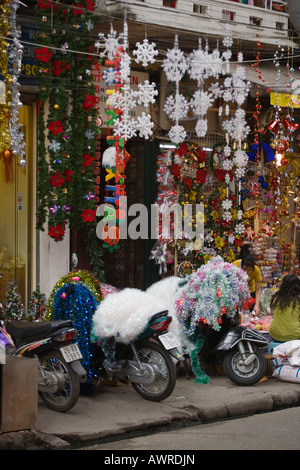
115	411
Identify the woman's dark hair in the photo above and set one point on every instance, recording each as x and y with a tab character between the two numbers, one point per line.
288	292
248	261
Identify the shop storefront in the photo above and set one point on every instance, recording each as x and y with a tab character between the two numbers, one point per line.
18	236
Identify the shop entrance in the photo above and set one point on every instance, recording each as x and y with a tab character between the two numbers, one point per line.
17	187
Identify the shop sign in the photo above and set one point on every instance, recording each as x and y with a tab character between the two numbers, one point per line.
28	67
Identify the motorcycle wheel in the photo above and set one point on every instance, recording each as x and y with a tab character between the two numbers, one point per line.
242	374
67	395
164	383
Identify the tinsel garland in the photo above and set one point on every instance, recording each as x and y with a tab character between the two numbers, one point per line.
65	182
5	93
201	377
76	302
76	296
15	53
216	289
83	276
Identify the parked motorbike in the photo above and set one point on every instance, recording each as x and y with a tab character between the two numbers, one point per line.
59	368
147	363
238	348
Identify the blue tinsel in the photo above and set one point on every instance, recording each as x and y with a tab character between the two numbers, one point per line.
77	303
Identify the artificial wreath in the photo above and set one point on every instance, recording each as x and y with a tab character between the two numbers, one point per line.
188	166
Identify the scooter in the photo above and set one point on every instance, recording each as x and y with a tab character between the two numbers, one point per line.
238	348
148	363
59	368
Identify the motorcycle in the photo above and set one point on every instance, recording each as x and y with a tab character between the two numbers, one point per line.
238	348
59	368
148	363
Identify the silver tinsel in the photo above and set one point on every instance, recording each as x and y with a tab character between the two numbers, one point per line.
15	52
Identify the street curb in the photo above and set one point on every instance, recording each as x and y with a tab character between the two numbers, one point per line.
189	415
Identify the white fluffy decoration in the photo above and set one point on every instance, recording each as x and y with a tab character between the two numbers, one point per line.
125	314
109	157
165	290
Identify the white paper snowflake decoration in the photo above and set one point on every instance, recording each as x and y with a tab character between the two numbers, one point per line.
109	45
201	102
177	134
176	107
146	93
201	127
175	64
126	127
145	125
203	65
125	67
145	52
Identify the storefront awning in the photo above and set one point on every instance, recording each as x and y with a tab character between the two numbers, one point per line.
273	81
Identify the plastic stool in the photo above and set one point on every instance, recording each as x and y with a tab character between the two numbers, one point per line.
272	345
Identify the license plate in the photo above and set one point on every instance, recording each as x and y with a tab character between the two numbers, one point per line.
169	340
71	352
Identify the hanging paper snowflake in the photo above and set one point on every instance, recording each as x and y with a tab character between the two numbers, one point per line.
240	228
145	52
177	134
145	125
111	76
203	65
227	164
176	107
201	127
201	102
109	44
175	64
126	127
237	127
146	93
116	101
125	67
240	158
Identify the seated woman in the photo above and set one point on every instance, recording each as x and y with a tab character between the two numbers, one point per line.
285	305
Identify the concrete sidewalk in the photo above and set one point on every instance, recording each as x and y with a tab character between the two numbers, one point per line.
118	410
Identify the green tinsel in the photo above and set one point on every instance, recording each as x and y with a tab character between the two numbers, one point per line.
197	340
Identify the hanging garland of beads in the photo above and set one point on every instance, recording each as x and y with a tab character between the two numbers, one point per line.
66	181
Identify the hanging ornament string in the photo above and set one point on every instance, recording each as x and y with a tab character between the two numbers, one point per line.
15	53
66	177
175	66
5	93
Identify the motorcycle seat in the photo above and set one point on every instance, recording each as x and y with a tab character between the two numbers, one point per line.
160	314
23	330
